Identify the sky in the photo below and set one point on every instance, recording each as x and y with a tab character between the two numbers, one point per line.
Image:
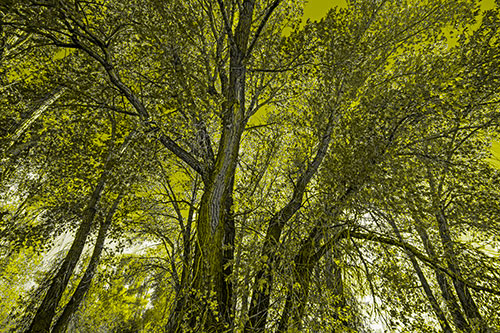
316	9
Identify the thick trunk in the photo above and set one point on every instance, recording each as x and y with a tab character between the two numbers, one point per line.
84	284
226	307
215	225
448	296
212	292
443	322
46	310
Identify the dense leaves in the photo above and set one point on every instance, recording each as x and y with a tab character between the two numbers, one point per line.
215	166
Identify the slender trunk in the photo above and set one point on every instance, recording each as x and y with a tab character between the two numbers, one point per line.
259	305
47	309
469	306
39	110
84	284
298	292
336	284
443	322
244	301
12	149
176	316
464	295
305	261
448	296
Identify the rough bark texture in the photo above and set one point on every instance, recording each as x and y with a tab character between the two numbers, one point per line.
227	263
215	225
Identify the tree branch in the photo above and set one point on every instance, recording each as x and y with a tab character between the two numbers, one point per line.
413	250
261	26
183	154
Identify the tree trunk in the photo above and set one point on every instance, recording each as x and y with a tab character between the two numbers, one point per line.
305	261
468	304
443	322
84	284
37	112
214	227
176	316
226	308
298	291
336	283
46	310
12	149
448	296
259	305
211	293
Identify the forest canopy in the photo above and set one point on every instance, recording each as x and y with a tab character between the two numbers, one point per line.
222	166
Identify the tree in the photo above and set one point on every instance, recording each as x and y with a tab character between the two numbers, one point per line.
352	109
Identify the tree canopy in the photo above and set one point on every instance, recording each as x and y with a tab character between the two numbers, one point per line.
220	166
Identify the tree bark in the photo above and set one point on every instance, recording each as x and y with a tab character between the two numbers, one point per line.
298	292
443	322
451	302
84	284
260	301
176	316
215	225
464	295
46	311
226	308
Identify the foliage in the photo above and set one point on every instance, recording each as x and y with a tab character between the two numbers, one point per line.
258	174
